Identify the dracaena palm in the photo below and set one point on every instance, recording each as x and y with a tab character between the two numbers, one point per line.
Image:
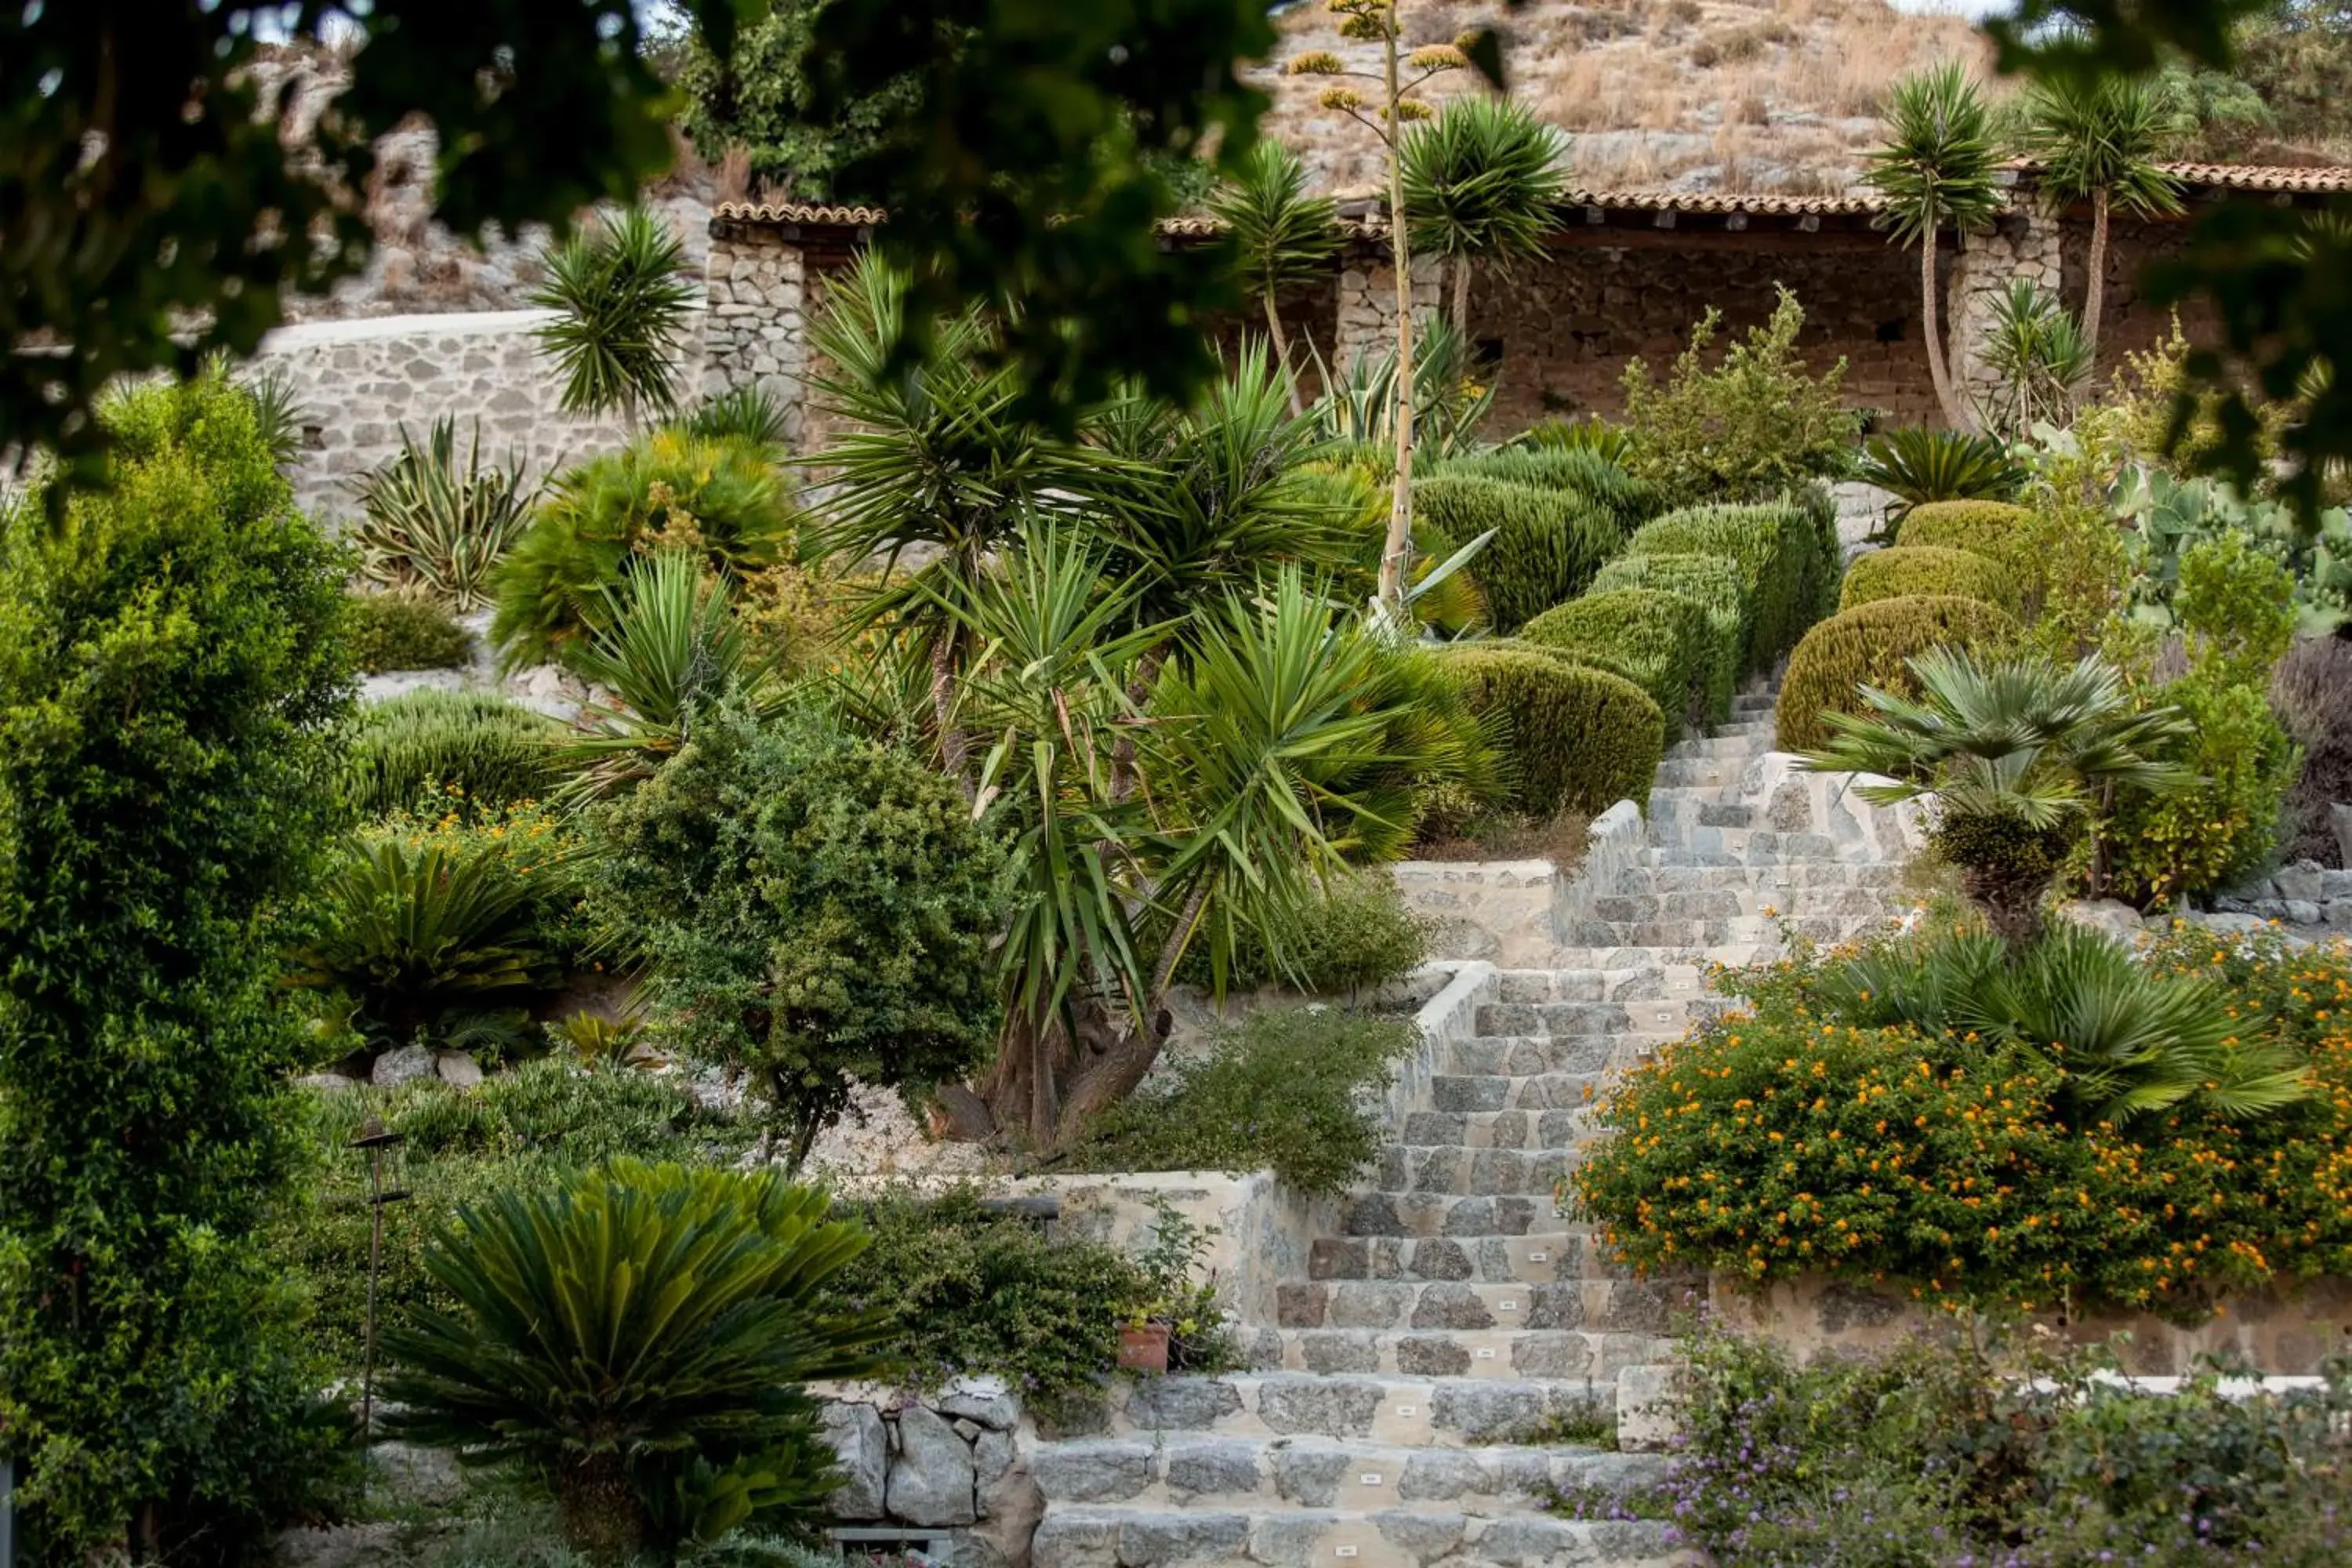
639	1337
621	297
2013	756
1282	236
2099	139
1480	181
1936	170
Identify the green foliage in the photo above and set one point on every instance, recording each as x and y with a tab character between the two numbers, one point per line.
1451	397
1293	1090
1596	436
1788	569
171	684
1577	739
741	413
2311	692
2041	353
1480	181
403	631
761	98
484	748
639	1336
1666	643
1873	645
1595	475
2104	136
1282	233
621	298
1710	582
1925	464
1547	542
664	488
2170	515
1354	934
815	912
1754	425
1938	166
429	522
1999	531
1797	1136
1928	570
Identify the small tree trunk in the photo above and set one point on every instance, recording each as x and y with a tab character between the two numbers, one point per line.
1937	371
955	750
2095	289
1460	312
1397	552
2010	897
1282	352
599	1509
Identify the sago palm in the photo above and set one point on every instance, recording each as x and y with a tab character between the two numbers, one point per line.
2099	139
1917	466
1479	183
1282	236
1936	168
2013	758
621	297
639	1337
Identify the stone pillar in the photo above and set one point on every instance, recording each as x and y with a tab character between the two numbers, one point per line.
756	332
1367	312
2024	243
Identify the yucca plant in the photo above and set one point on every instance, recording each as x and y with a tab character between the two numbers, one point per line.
277	408
2128	1042
2042	356
744	414
1282	236
1479	183
429	521
1920	466
621	298
640	1337
2014	756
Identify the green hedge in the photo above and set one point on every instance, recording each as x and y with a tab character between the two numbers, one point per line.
403	631
1579	739
1868	645
1548	544
1631	501
493	749
1986	528
1664	641
1711	581
1784	568
1910	571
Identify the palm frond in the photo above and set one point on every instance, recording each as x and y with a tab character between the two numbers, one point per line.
621	298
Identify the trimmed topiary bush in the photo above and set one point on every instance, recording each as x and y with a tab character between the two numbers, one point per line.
1988	528
1712	583
1579	739
1546	546
403	631
1909	571
1779	551
1664	641
1868	645
494	751
1591	474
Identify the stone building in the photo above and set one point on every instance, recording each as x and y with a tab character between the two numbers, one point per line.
1625	274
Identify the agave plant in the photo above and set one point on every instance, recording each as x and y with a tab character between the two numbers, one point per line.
621	298
641	1337
2014	758
1449	402
2127	1042
2041	353
1920	466
429	521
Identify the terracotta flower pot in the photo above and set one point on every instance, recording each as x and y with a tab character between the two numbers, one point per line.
1143	1348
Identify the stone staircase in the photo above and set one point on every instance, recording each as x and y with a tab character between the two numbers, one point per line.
1407	1408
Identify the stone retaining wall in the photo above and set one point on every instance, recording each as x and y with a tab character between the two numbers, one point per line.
952	1466
1515	913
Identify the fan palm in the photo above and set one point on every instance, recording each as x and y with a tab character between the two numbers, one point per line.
1281	235
640	1336
1479	182
2014	757
621	298
2127	1041
2097	139
1936	170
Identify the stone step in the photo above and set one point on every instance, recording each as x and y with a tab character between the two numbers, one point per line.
1733	955
1643	1015
1735	741
1559	1250
1460	1219
1698	773
1202	1472
1113	1537
1596	1304
1731	902
1408	1170
1637	982
1738	929
1830	875
1565	1354
1559	1130
1405	1412
1527	1056
1496	1092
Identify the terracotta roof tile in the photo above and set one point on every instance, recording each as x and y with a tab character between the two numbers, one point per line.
2256	178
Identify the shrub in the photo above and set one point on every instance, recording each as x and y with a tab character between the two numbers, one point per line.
1921	465
472	745
666	488
1793	1137
2312	692
1871	645
403	631
816	912
1354	934
1778	551
640	1336
171	683
1577	738
1662	640
1586	471
429	522
1289	1090
1710	582
1754	425
1928	570
1595	435
1547	544
1991	528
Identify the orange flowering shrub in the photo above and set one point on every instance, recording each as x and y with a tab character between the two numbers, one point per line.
1783	1140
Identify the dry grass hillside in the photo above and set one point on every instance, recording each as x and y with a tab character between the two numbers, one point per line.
1774	95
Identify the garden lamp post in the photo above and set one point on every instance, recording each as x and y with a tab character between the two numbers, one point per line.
382	1147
